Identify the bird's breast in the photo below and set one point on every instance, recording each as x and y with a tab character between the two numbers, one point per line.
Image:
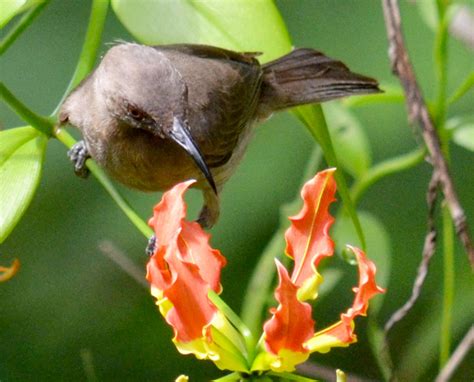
146	162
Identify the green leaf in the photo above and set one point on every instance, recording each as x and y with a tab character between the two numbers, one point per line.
21	157
11	8
378	246
242	25
464	135
349	139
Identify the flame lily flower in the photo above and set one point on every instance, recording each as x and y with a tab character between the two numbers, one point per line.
184	271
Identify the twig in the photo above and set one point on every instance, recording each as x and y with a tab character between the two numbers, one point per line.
110	250
417	111
461	351
428	252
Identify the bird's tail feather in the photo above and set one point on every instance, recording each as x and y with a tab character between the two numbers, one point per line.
308	76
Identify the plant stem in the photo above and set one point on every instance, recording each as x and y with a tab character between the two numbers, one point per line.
237	323
448	287
21	26
64	137
441	62
38	122
465	86
313	118
90	47
259	288
387	167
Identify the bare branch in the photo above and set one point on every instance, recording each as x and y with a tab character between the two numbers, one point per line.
110	250
459	354
417	111
428	252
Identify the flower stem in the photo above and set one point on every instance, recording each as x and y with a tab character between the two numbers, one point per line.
313	118
259	288
237	322
465	86
448	287
64	137
385	168
21	26
90	47
37	121
441	61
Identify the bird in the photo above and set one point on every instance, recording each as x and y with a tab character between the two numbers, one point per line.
154	116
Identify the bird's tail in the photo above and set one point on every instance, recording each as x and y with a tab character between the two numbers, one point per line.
308	76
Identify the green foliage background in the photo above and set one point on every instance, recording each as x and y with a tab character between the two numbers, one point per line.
68	298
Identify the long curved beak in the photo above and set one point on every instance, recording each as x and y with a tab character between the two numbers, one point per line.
180	134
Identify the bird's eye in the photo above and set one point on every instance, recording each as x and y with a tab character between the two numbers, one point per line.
136	113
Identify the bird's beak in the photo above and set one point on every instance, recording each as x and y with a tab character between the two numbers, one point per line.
183	138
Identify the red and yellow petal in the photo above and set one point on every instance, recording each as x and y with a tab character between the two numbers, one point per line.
342	333
183	268
308	239
291	324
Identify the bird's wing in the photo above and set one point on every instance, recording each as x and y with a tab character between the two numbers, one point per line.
223	93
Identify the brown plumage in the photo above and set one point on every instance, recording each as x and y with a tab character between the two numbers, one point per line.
156	116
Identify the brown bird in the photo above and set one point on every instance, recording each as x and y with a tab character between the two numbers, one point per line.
153	116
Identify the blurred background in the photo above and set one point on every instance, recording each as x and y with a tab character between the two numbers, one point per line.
71	308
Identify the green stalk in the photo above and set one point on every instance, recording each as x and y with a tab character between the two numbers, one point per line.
260	288
84	66
237	323
387	167
448	287
64	137
313	118
441	61
465	86
90	48
25	21
37	121
441	65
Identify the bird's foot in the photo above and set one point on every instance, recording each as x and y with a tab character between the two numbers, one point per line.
210	211
78	156
207	218
150	248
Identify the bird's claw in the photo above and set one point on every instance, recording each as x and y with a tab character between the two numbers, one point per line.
78	154
150	248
